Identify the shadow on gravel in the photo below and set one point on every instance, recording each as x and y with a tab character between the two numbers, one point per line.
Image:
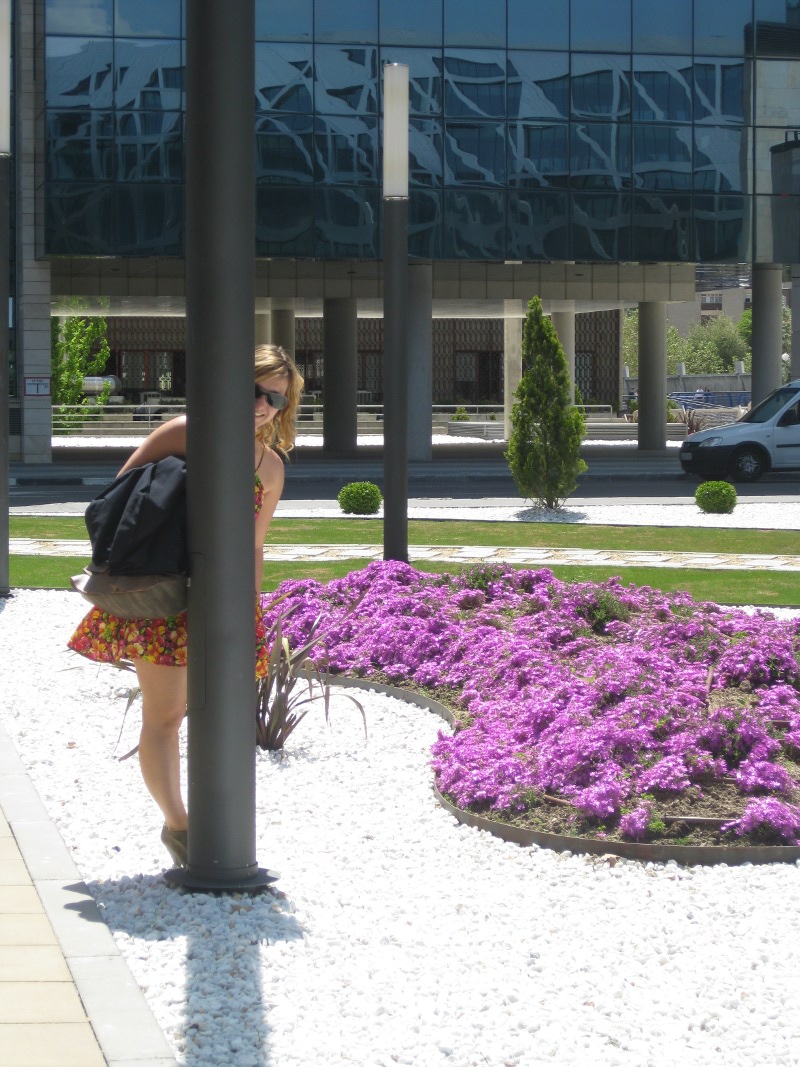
219	953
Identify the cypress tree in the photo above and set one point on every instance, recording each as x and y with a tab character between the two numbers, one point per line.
546	429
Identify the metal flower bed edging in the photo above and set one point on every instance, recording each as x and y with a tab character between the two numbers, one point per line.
689	855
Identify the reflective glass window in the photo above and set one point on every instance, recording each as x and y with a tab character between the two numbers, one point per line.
149	146
662	227
425	223
284	149
538	225
475	23
411	21
475	153
777	161
147	74
601	27
600	155
538	85
538	154
600	226
425	151
284	221
778	28
722	159
721	26
79	219
346	80
284	77
424	77
474	224
475	83
722	229
87	18
538	24
719	91
79	145
78	72
662	157
346	223
345	150
662	27
354	22
601	86
147	18
662	89
149	220
284	20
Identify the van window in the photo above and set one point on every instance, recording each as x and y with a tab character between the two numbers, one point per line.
769	407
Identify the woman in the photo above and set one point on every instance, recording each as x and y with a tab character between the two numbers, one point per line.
158	647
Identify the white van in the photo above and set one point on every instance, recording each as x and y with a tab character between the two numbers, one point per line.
766	438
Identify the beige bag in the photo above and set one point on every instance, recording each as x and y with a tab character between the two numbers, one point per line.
150	596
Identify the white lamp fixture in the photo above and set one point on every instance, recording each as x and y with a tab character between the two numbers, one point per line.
5	77
395	129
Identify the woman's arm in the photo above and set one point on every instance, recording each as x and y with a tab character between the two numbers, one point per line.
270	471
169	439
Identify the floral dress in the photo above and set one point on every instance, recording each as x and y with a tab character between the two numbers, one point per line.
105	638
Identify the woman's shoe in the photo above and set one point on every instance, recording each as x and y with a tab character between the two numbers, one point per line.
175	842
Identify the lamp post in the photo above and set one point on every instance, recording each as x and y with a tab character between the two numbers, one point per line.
5	167
395	311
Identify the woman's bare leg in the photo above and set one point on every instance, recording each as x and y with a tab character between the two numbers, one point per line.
163	709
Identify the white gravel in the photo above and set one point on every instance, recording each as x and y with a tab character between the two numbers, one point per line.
396	936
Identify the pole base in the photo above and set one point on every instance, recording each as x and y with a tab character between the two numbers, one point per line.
183	878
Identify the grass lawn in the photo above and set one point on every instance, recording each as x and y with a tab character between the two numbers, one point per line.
765	588
492	534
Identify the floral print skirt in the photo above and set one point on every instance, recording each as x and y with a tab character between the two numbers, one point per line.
104	638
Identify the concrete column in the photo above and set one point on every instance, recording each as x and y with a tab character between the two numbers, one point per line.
340	368
283	330
420	361
767	340
512	366
263	330
652	425
32	304
564	324
795	364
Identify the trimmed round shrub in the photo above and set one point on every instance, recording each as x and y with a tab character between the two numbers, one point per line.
716	498
360	498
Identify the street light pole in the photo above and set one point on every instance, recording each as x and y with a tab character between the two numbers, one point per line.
395	311
5	168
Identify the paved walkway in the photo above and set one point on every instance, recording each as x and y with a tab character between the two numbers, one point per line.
535	557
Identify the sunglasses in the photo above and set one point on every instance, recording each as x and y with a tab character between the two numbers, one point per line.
275	400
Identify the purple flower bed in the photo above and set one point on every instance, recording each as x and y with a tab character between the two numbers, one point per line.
607	701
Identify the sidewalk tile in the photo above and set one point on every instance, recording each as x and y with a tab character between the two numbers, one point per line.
49	1045
20	900
14	872
32	963
54	1002
26	930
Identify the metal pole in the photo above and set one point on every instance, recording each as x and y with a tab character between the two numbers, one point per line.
5	166
395	311
220	309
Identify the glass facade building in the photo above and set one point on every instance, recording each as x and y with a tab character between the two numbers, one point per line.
540	129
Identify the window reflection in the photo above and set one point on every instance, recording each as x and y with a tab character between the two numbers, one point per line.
602	27
722	228
538	85
80	145
284	149
149	220
425	148
538	154
600	86
662	227
474	153
538	226
719	92
538	24
722	159
345	150
284	20
600	156
284	77
353	22
149	146
346	80
78	72
346	223
720	26
147	74
475	23
474	223
425	224
662	27
662	89
284	221
147	18
411	21
80	219
601	226
90	18
662	157
474	83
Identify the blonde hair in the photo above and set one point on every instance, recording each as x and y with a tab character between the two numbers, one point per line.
271	361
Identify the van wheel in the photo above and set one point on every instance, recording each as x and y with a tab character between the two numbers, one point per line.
747	465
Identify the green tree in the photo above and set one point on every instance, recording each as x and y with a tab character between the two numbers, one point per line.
714	347
78	349
546	430
676	346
